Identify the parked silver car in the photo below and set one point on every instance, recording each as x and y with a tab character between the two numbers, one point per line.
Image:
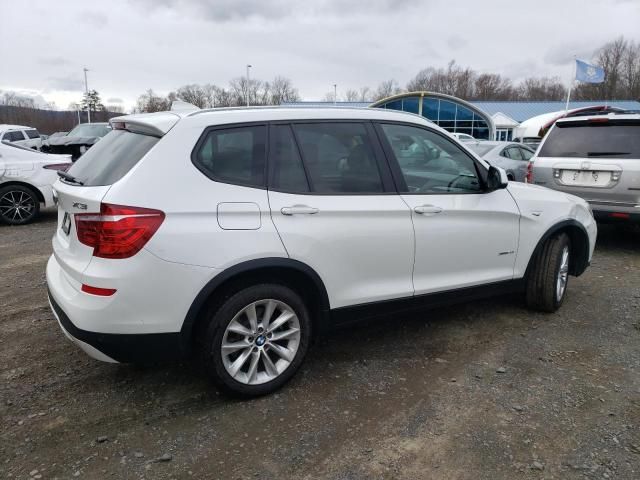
596	158
510	156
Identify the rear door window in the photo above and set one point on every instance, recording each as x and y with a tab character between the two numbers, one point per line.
233	155
288	173
593	139
112	157
339	158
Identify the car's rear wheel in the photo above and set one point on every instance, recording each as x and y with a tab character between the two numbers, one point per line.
256	340
548	279
18	205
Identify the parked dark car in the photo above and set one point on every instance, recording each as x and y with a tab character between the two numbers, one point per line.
78	140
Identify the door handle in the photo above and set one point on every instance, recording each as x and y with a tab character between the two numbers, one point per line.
299	210
427	209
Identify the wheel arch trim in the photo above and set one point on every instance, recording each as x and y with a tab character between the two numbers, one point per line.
246	267
28	185
576	267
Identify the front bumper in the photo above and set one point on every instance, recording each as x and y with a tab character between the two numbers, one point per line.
116	347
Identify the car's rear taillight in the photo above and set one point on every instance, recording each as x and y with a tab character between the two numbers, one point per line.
117	231
529	176
61	167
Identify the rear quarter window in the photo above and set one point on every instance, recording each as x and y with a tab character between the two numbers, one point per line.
234	155
606	139
112	157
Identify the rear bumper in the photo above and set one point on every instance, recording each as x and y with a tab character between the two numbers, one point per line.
115	347
611	216
604	211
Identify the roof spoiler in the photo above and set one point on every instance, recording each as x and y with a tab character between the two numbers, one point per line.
180	106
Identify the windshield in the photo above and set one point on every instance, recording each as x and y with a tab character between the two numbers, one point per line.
90	130
593	139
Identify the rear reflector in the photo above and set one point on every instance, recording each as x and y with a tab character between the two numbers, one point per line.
619	215
61	167
118	231
102	292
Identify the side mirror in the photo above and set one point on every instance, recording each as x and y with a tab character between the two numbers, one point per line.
497	178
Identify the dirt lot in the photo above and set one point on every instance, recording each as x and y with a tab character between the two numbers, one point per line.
487	390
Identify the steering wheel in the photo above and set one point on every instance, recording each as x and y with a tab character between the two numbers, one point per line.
455	179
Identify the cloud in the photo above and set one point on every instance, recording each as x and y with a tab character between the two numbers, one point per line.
228	10
564	54
68	83
53	61
456	42
95	19
114	100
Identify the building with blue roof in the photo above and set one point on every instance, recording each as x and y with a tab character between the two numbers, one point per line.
485	120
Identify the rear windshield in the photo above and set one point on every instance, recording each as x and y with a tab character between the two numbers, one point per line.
481	149
111	157
597	140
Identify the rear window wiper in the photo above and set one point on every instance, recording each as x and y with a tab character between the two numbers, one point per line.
69	178
605	154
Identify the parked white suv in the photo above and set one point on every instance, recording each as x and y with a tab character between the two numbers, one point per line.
20	135
246	232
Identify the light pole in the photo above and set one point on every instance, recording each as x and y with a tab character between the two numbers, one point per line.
248	84
335	93
86	90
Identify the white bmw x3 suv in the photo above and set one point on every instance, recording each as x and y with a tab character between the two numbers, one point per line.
243	233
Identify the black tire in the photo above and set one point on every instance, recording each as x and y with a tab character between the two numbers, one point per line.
19	205
210	345
542	292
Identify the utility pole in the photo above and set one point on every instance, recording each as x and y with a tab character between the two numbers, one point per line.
86	90
335	93
248	84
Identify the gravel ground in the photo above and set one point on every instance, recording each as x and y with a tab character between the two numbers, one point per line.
485	390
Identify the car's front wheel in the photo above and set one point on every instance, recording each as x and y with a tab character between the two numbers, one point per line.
256	340
18	205
548	279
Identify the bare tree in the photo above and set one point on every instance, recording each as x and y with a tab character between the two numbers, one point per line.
198	95
282	90
150	102
492	86
351	95
387	89
543	88
365	94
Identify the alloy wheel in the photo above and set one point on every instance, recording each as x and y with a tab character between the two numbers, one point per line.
563	274
260	342
17	206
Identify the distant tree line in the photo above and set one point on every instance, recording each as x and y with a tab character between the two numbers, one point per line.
21	110
620	59
240	91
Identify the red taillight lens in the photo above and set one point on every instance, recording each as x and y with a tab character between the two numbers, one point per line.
118	231
62	167
529	177
101	292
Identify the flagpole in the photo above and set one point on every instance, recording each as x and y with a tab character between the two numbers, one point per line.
573	81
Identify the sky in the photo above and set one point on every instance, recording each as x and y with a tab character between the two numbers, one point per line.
130	46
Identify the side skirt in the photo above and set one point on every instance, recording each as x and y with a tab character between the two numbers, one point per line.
357	313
